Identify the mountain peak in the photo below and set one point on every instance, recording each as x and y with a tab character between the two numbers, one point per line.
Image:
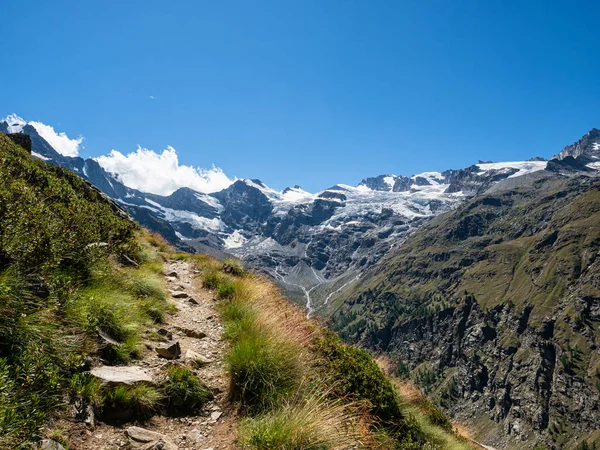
14	123
588	146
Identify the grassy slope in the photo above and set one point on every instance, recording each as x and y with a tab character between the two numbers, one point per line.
61	284
300	387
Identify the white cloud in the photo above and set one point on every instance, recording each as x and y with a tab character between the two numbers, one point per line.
59	141
152	97
161	173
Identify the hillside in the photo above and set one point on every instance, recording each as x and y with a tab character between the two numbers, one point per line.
494	309
97	352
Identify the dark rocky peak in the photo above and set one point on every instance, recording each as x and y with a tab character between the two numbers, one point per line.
21	139
473	180
333	195
380	183
387	182
240	188
91	170
186	199
402	184
568	164
42	147
289	189
420	181
337	187
257	181
537	158
588	145
244	206
484	162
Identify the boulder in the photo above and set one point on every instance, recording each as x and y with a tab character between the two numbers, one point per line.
192	333
169	350
172	274
121	375
49	444
148	440
178	294
166	333
197	359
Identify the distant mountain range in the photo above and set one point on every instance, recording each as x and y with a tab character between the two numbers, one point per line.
314	244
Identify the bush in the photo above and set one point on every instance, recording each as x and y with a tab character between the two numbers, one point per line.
360	376
262	369
239	319
184	391
211	278
128	402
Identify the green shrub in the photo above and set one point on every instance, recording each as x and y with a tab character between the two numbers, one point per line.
226	289
435	415
359	376
262	370
85	387
146	286
212	278
184	391
138	401
239	319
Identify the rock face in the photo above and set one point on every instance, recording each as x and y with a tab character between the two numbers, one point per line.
496	308
588	146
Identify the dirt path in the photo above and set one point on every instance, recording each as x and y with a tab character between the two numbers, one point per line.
196	327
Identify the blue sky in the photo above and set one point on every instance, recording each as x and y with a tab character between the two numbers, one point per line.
307	92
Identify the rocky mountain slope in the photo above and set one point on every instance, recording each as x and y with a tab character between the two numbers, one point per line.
495	307
314	244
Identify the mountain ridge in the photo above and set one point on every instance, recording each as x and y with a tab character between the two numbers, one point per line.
337	232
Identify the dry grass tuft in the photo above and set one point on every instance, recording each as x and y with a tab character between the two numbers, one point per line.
308	422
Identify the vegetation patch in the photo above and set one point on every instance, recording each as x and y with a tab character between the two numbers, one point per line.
127	402
313	423
184	391
64	293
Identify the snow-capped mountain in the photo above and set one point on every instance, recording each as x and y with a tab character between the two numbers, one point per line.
314	244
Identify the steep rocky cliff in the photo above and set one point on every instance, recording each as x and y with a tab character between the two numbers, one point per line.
496	309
